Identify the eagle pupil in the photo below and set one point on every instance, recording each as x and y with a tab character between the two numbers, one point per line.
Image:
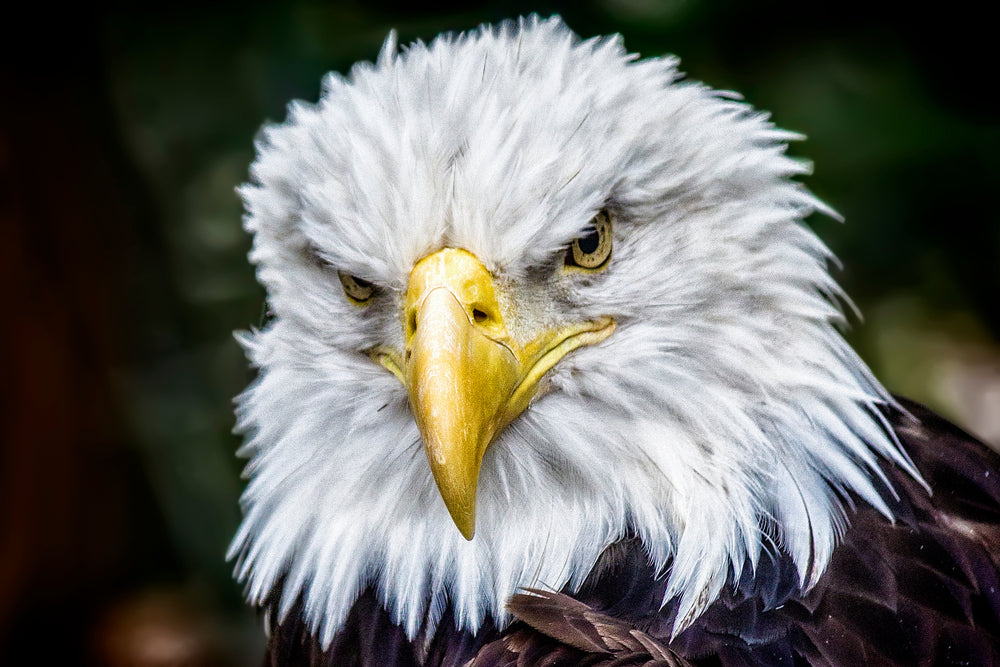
355	288
588	244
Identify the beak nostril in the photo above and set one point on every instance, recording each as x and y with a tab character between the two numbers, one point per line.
479	316
411	322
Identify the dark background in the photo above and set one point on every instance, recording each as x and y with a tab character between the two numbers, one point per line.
124	131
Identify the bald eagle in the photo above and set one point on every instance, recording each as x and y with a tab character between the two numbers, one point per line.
554	376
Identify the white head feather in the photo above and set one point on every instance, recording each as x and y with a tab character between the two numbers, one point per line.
725	417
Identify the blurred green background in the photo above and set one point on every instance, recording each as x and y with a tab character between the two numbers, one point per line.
125	130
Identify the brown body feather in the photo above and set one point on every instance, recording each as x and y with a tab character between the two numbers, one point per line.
923	590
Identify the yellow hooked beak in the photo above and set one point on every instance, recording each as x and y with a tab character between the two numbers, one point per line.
466	375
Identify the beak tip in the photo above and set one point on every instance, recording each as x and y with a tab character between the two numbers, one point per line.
466	524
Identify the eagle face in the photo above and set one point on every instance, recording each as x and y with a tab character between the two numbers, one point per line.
533	295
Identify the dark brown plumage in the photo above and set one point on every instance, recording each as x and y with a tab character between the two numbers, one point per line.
924	590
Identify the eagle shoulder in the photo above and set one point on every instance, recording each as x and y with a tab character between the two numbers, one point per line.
921	590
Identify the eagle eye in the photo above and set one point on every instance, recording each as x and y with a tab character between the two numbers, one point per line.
357	290
592	250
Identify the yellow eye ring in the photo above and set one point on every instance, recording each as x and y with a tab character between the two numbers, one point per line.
592	250
357	290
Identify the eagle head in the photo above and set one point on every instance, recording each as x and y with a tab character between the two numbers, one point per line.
532	295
